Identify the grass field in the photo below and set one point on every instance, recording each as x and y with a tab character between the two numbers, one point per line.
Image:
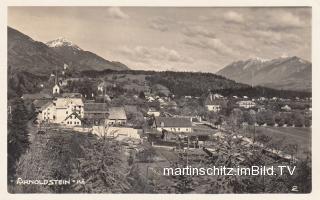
291	135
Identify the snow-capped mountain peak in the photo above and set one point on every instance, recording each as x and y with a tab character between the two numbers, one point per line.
61	41
259	59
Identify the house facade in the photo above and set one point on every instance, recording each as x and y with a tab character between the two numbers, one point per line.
246	104
95	113
59	110
67	106
173	124
214	102
153	112
72	120
117	117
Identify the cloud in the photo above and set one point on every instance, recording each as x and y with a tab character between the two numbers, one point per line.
233	17
213	44
197	31
153	56
117	13
159	23
287	19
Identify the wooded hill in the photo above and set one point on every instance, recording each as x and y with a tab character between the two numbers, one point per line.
198	84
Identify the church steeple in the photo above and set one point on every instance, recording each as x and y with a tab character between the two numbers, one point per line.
56	88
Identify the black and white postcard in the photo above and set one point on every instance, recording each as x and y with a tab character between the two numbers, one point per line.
159	99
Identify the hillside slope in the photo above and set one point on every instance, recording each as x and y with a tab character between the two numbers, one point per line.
290	73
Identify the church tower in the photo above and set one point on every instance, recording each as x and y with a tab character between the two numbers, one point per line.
56	88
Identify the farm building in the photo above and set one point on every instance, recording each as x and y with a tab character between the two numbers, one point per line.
173	124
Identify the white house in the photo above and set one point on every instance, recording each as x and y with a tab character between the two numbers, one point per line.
56	89
47	113
67	106
246	104
72	120
154	112
214	102
173	124
286	108
59	110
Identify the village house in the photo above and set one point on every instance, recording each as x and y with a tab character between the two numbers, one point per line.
95	113
101	87
173	124
58	110
73	119
47	112
246	104
117	116
153	112
286	108
213	102
170	104
66	106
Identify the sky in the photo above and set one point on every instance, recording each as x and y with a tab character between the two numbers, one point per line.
202	39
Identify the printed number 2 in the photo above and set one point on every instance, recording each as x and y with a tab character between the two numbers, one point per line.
294	188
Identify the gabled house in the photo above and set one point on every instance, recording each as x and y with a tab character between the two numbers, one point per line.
117	116
95	113
73	119
173	124
65	106
213	103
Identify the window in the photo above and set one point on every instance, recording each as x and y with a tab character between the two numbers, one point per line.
66	112
67	122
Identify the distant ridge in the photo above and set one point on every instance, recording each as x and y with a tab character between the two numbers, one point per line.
26	54
287	73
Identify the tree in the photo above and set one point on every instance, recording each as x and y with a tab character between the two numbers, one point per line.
18	137
298	119
142	95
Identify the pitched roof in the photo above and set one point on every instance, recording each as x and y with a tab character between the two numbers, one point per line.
95	107
213	99
36	96
64	102
117	113
38	103
71	95
74	113
173	122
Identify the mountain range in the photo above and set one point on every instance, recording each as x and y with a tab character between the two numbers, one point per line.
28	55
28	59
285	73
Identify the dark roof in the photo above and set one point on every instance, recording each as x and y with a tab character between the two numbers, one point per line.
38	103
74	113
173	122
117	113
95	107
71	95
36	96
